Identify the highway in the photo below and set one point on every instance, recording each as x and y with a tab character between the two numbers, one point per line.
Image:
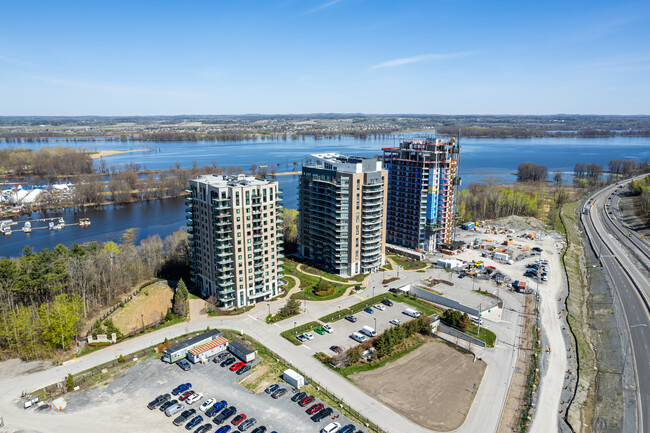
616	245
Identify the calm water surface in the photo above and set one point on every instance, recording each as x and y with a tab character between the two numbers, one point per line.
481	160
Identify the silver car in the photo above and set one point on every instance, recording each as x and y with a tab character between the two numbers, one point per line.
174	409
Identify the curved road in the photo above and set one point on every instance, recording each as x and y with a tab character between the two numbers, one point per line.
483	415
614	244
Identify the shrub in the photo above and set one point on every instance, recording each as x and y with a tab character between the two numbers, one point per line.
69	383
121	359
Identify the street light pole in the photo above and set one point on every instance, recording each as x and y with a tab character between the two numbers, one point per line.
142	317
375	323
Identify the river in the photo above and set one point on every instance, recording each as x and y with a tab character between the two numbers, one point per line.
481	160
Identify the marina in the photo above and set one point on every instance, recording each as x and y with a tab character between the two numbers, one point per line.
56	223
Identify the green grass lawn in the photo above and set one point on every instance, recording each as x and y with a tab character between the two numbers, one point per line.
290	334
406	263
487	336
307	294
358	368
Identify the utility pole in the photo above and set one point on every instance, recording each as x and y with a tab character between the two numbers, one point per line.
478	332
142	317
375	323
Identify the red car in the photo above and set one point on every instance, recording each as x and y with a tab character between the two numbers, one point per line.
237	366
315	408
185	395
306	400
238	419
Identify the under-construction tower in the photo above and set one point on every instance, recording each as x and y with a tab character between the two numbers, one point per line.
422	186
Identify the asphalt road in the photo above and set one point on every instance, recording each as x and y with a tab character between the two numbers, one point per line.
484	414
611	241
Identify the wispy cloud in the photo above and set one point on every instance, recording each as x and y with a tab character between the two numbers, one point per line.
420	59
321	7
5	59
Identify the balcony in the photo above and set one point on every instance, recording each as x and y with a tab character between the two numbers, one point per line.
224	261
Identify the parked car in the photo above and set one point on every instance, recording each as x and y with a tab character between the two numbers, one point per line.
272	388
298	396
184	416
182	363
369	310
206	404
181	388
216	408
237	365
279	393
174	409
204	428
315	408
238	419
306	400
319	331
158	401
227	413
336	349
227	362
328	329
348	429
223	429
220	357
380	307
308	335
358	337
301	338
163	407
392	290
387	302
394	322
194	422
318	416
244	369
194	398
186	395
250	422
260	429
332	427
351	319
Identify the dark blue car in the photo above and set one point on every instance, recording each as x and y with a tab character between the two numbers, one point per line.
193	422
369	310
223	429
216	408
271	389
181	388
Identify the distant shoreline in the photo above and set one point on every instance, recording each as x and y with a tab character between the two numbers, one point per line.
102	153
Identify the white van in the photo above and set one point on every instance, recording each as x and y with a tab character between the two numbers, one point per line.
411	312
358	337
370	332
476	320
171	410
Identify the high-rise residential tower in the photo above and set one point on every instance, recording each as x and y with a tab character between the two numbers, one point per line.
235	223
342	226
421	192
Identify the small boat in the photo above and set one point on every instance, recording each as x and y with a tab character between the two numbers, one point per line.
7	231
27	228
51	225
84	222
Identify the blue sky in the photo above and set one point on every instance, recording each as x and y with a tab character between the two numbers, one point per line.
308	56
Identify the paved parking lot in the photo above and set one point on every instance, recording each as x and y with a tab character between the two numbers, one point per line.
127	398
343	329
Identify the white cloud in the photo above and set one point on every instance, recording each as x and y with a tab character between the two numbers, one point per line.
419	59
321	7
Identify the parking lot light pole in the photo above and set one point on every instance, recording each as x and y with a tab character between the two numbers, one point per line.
375	323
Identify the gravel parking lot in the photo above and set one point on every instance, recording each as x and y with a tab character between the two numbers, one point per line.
343	329
127	398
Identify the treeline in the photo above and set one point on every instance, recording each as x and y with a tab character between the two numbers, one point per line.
483	201
530	171
641	188
47	162
45	296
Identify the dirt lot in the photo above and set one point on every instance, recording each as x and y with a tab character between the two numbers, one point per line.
422	386
148	307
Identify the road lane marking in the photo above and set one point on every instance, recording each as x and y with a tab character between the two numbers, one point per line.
276	325
252	317
306	347
639	324
363	299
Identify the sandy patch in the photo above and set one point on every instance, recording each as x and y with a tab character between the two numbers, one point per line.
148	308
102	153
433	386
